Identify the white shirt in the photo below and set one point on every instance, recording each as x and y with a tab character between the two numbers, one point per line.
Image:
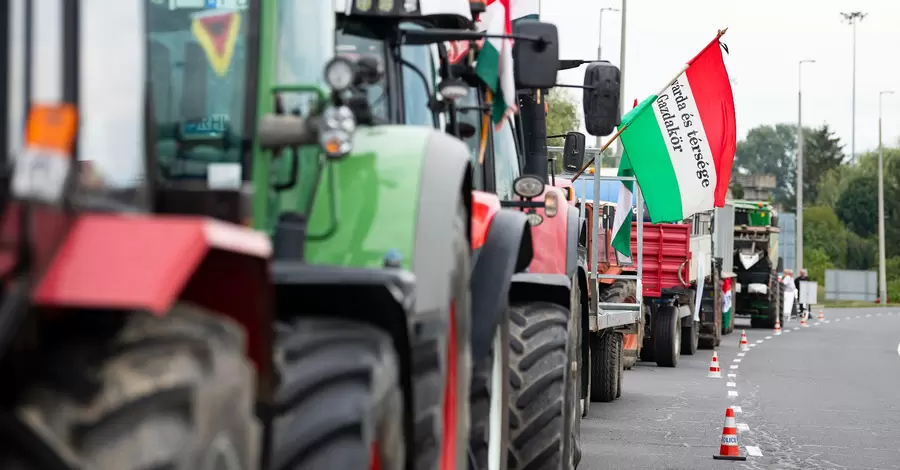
788	282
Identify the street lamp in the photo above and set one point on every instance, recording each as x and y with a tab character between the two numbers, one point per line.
852	18
623	102
799	191
882	269
599	50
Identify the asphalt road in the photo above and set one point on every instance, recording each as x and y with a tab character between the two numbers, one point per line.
825	396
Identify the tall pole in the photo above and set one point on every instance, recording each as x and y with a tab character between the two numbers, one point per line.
882	269
799	191
852	18
600	51
623	102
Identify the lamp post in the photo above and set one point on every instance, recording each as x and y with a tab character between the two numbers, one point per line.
600	49
852	18
799	191
623	102
882	269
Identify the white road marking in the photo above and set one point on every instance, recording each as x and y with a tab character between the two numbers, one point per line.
867	315
878	314
737	360
827	321
731	384
741	354
846	318
737	409
732	376
816	324
768	337
732	393
742	427
898	349
753	345
796	328
787	330
858	316
837	319
759	341
753	451
734	366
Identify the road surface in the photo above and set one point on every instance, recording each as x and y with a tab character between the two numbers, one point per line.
825	396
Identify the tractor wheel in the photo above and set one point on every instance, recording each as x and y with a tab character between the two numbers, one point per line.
340	404
666	336
605	365
173	392
489	403
442	368
541	408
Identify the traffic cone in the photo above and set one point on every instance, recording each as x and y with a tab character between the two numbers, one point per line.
729	449
803	321
821	315
714	371
744	345
777	326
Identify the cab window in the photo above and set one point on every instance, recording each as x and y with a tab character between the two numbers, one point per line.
416	92
506	160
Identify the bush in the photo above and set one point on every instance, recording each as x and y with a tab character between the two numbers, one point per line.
823	230
862	253
816	261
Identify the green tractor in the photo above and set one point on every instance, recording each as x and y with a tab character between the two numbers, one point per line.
757	290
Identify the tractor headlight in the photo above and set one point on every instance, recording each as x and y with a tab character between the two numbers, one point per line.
528	186
340	73
336	136
551	204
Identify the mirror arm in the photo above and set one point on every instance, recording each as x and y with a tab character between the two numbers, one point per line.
563	85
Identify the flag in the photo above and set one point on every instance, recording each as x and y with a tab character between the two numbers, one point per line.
681	141
726	297
495	61
622	222
217	33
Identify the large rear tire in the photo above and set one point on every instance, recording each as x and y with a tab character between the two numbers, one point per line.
173	392
690	337
489	404
605	365
666	336
541	429
340	400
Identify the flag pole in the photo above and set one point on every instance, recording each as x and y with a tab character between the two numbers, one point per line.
621	129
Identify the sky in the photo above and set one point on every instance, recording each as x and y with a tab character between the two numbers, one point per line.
766	39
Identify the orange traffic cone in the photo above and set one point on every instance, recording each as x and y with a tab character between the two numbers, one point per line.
744	345
729	449
803	321
821	315
714	371
777	326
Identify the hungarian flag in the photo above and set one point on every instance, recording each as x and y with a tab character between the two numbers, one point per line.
681	141
495	61
622	222
217	33
726	296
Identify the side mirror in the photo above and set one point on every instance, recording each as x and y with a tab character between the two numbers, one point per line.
601	98
536	62
573	151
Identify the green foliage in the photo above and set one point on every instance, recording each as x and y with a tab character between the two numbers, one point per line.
562	115
824	231
816	261
857	205
862	253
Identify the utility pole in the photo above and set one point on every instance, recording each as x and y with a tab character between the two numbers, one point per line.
852	18
882	269
599	51
623	102
799	190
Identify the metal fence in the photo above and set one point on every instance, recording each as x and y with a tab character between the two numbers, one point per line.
846	284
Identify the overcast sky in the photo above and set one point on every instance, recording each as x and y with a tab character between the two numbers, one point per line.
766	39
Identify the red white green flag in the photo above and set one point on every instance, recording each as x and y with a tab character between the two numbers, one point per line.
495	61
681	141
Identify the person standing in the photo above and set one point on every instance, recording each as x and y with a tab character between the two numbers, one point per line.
801	278
789	290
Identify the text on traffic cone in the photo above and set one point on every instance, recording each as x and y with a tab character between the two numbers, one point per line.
729	449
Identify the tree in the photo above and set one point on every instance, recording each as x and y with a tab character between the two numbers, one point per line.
822	152
823	230
857	205
770	150
862	253
562	115
816	261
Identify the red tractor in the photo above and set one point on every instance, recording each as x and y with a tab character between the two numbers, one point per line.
130	339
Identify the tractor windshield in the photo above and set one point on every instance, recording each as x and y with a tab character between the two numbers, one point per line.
198	81
305	43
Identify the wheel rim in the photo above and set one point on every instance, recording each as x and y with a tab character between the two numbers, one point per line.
495	444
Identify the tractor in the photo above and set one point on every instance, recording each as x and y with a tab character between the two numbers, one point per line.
136	325
757	289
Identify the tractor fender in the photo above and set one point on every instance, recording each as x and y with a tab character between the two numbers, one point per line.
573	226
537	287
150	262
506	250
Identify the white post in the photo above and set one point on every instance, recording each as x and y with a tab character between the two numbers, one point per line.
600	49
622	100
882	269
799	190
852	18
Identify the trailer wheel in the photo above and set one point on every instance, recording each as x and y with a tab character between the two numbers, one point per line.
340	402
489	403
442	367
541	429
666	336
170	392
605	365
624	291
690	337
621	379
